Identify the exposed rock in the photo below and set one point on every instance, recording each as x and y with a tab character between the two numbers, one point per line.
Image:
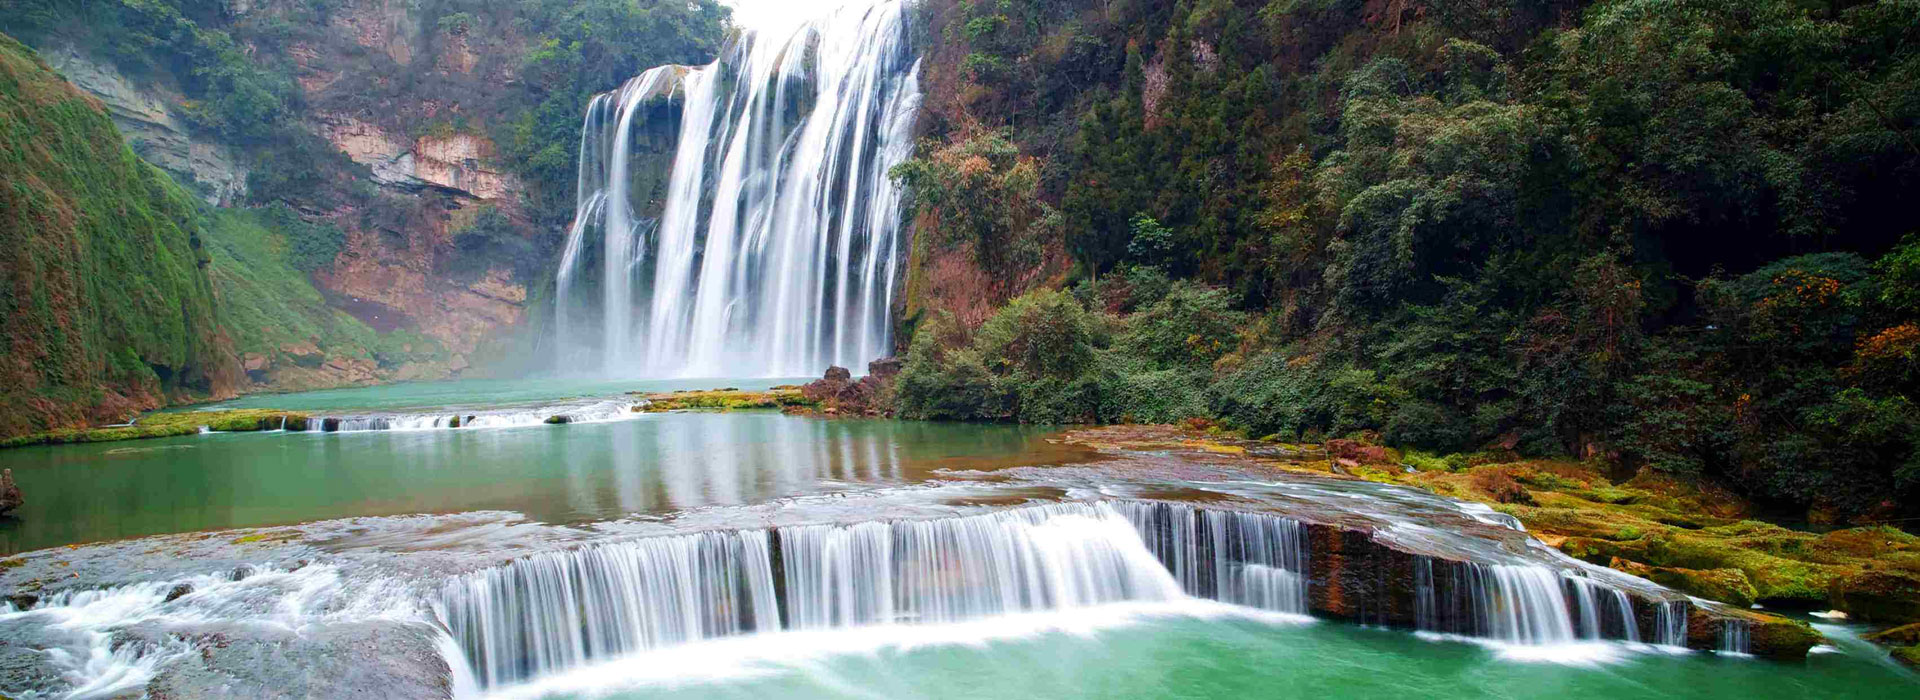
838	394
452	162
1879	596
178	592
10	496
1726	585
145	116
1904	635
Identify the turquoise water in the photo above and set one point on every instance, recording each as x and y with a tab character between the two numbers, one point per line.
654	463
481	392
1093	655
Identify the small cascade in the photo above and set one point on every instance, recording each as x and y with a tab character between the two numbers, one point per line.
1736	637
590	412
1247	559
1518	603
556	610
1670	623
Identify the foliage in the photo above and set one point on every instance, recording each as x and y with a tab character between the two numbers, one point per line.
101	285
1665	232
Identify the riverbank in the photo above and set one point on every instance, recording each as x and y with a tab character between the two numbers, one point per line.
169	424
1692	538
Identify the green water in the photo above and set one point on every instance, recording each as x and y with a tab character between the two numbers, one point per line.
1233	658
654	463
480	392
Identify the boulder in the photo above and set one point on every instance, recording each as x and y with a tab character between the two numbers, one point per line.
10	496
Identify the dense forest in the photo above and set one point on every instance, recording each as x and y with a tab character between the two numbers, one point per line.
1662	233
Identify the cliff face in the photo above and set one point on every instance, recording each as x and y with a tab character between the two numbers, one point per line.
104	299
407	105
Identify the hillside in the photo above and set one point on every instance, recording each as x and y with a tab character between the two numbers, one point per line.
103	290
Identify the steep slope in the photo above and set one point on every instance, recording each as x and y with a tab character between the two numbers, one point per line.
103	295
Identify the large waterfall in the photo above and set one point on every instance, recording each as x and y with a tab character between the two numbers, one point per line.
771	246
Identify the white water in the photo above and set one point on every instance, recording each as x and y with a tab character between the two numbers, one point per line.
586	412
776	250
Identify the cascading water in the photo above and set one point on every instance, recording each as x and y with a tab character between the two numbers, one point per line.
552	611
1736	637
584	412
775	252
1670	623
1242	558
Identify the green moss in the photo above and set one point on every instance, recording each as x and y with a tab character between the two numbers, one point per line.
1908	655
158	425
727	400
1725	585
1904	635
101	286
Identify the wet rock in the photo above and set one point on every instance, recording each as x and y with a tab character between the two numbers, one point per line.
23	601
1908	655
178	592
10	496
1769	636
371	659
558	420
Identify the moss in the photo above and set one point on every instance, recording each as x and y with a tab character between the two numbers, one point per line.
1774	637
1908	655
728	400
102	293
159	425
1725	585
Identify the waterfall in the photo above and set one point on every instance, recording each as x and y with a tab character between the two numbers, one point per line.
1520	604
774	248
1735	637
1242	558
555	610
1670	623
551	611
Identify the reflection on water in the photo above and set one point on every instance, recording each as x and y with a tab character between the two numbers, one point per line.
574	473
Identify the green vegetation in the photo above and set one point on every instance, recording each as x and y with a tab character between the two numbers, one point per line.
269	308
101	286
159	425
586	47
725	399
1662	232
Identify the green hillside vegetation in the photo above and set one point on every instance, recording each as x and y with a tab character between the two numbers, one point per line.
1659	233
102	290
267	301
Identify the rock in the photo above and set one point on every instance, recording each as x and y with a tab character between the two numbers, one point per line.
839	374
1904	635
178	592
10	496
1878	596
1908	655
885	368
558	420
1728	586
22	601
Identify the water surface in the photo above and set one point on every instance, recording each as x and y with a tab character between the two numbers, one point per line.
651	464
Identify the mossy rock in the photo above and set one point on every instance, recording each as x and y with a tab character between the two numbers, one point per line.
1908	655
1775	637
1878	596
1728	586
1904	635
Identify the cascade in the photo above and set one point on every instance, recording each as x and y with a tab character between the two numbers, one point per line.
775	250
1241	558
1736	637
551	611
587	412
1670	623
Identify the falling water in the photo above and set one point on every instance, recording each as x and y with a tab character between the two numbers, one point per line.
552	611
775	251
583	412
1243	558
1735	637
1670	623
